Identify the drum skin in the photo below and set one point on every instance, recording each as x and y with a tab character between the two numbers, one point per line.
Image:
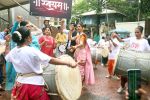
62	48
133	60
63	80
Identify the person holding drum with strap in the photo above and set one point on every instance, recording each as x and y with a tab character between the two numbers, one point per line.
26	60
83	56
137	43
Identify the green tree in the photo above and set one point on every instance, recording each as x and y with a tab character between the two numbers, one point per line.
145	8
129	8
84	6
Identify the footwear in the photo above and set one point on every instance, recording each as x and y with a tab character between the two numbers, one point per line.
108	76
115	77
121	90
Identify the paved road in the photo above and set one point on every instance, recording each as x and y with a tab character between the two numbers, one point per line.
104	89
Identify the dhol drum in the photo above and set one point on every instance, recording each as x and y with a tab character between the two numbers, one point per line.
62	48
62	80
95	54
133	60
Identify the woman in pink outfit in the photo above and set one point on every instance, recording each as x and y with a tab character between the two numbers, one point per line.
83	56
47	42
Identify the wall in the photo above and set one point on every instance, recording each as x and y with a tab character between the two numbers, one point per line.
89	20
130	26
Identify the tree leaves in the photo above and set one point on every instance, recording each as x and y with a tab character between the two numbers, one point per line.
128	7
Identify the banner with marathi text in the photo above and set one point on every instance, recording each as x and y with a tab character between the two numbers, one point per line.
51	8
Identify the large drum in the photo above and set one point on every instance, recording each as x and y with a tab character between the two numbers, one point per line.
63	81
62	48
95	54
133	60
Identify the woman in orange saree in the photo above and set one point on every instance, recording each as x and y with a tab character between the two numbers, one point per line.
83	56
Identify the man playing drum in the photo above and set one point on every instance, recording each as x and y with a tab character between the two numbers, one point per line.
137	43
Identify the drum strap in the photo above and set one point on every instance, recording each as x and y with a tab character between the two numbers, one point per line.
47	89
27	74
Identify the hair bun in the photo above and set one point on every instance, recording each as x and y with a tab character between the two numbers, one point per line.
19	35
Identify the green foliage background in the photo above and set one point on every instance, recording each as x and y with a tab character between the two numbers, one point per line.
128	7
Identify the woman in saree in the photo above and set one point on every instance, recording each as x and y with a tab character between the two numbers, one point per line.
83	56
47	42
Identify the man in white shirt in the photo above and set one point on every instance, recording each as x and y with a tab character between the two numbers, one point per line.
137	43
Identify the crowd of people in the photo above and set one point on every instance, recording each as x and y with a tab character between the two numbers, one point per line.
27	47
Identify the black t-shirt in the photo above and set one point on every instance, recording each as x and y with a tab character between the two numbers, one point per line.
73	42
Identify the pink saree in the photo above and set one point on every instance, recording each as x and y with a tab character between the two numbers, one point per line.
84	54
